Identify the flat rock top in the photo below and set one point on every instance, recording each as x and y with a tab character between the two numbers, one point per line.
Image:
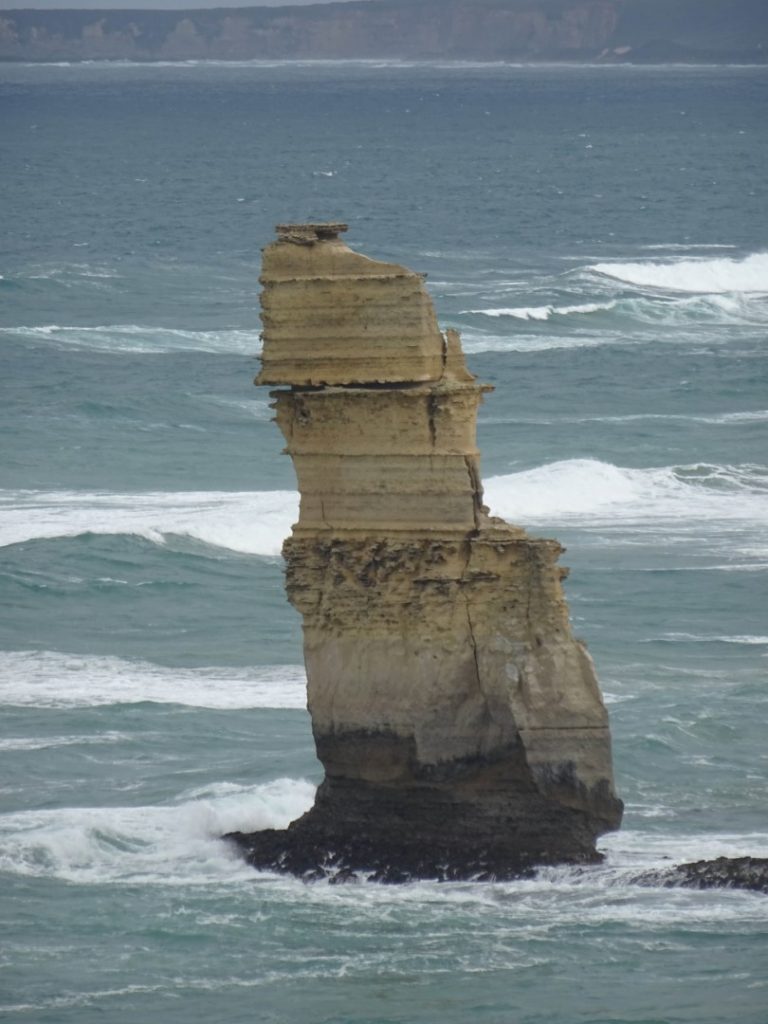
310	232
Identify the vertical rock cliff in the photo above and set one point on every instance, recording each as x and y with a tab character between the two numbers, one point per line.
459	722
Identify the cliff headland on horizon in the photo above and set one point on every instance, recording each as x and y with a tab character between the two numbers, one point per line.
611	31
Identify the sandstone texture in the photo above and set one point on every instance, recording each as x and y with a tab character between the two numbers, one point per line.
459	722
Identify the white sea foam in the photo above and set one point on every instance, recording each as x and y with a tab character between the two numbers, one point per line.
694	275
543	312
756	416
70	273
24	743
139	338
174	843
692	323
586	489
254	407
688	246
51	679
639	849
723	418
746	639
732	309
475	341
251	522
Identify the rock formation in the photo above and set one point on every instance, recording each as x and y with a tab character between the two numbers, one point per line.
749	873
459	722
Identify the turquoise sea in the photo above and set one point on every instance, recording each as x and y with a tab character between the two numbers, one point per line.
600	237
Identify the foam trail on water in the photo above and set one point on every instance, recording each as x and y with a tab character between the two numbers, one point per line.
475	342
715	419
250	522
49	742
53	679
746	640
704	276
724	418
172	844
634	849
543	312
146	340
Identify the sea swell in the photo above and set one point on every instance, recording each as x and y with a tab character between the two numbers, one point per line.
704	276
622	303
256	522
590	490
139	338
52	679
250	522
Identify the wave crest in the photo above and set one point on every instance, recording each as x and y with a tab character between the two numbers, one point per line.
588	488
170	844
703	276
50	679
250	522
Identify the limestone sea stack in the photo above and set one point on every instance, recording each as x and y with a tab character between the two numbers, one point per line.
459	722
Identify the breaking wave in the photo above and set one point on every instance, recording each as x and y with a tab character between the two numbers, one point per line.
169	844
589	489
50	679
250	522
624	303
697	275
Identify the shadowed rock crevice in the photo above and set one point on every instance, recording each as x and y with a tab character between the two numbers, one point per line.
459	722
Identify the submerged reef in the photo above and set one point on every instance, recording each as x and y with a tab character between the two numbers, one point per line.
458	720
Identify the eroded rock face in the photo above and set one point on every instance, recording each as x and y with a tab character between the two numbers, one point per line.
459	722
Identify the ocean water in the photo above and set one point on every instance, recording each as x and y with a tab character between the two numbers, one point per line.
599	236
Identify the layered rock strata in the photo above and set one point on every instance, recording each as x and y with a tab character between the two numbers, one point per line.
459	722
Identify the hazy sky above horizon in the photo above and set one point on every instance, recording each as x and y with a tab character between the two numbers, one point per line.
150	5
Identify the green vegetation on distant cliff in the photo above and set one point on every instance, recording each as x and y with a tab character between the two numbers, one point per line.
571	30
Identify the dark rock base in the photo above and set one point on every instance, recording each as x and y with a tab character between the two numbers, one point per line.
385	835
723	873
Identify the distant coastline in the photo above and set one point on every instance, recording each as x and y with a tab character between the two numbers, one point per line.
528	31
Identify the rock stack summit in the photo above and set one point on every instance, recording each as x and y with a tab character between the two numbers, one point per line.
459	722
